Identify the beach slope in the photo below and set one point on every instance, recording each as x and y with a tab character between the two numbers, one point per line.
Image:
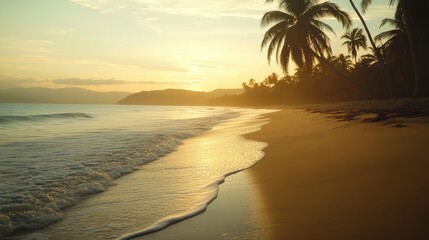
327	179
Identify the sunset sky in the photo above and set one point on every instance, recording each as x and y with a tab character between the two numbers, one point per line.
135	45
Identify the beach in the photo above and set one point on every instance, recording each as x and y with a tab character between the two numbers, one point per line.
214	120
325	178
320	172
329	179
126	171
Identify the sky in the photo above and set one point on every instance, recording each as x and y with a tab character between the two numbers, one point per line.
136	45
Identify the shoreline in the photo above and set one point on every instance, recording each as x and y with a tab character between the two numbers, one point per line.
229	215
325	175
355	195
170	189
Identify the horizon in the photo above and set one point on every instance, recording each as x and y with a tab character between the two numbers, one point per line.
141	45
114	90
166	119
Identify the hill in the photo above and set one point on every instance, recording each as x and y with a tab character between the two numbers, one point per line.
177	97
62	95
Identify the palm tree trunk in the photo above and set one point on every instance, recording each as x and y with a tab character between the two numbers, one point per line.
415	13
371	40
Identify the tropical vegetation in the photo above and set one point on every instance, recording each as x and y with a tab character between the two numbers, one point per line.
395	63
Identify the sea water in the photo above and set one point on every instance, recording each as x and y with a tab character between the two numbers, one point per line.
54	158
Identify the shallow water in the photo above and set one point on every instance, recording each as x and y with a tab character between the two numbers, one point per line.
53	156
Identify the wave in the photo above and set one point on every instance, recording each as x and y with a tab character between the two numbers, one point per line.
207	195
210	193
42	117
56	187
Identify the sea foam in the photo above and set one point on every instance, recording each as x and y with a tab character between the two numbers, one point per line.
41	176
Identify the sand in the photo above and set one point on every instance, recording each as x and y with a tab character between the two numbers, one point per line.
231	216
327	179
325	176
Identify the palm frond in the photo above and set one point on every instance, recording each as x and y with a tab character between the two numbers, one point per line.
346	43
391	2
328	9
275	17
272	32
320	40
295	41
275	43
364	5
387	35
391	22
322	25
347	36
284	58
294	7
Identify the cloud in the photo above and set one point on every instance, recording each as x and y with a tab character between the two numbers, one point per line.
105	6
150	19
33	46
34	58
61	31
88	82
162	66
379	11
13	82
7	82
100	82
204	8
374	12
168	82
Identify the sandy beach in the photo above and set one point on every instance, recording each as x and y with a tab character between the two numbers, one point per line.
324	178
214	120
327	179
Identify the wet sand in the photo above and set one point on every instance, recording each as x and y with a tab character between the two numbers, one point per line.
231	216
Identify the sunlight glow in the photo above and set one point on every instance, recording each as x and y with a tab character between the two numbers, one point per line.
143	43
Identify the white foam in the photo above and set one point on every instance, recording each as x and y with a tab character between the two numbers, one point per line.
39	177
208	194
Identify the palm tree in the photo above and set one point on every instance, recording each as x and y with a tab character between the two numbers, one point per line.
271	80
415	15
342	62
368	60
354	40
298	34
371	40
396	45
397	50
399	33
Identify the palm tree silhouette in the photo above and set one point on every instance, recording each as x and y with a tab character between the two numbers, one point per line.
368	59
364	5
397	49
354	40
298	34
342	62
414	15
396	40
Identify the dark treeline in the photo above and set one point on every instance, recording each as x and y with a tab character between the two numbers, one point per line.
395	64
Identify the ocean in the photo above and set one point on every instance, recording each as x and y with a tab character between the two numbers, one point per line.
105	171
